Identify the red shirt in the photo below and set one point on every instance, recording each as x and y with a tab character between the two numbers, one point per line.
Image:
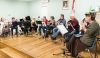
46	21
74	23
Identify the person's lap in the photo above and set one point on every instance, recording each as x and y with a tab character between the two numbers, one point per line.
75	46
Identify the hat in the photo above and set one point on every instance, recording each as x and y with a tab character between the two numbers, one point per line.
90	14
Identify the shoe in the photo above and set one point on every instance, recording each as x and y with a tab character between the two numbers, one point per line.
53	38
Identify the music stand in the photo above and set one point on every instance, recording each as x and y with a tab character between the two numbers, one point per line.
63	31
39	22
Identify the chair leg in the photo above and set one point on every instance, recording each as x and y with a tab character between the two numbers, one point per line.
64	53
96	51
90	54
98	43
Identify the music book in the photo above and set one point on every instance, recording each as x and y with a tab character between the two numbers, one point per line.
62	29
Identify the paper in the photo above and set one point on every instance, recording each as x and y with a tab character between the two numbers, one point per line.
62	29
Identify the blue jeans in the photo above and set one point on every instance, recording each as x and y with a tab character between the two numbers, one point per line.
68	35
55	33
43	31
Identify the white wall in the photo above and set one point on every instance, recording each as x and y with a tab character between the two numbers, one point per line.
19	9
14	9
83	6
55	8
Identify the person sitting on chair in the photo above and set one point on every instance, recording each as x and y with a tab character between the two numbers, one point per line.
1	25
52	24
72	27
77	44
6	31
33	25
86	26
44	27
39	24
21	24
14	26
56	32
27	26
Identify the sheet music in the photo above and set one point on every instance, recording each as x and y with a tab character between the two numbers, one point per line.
62	29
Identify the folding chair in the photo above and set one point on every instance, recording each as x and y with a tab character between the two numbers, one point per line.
94	47
91	48
98	39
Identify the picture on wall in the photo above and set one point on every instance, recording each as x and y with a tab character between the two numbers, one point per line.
65	4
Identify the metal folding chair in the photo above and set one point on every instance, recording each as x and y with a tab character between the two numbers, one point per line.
94	47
